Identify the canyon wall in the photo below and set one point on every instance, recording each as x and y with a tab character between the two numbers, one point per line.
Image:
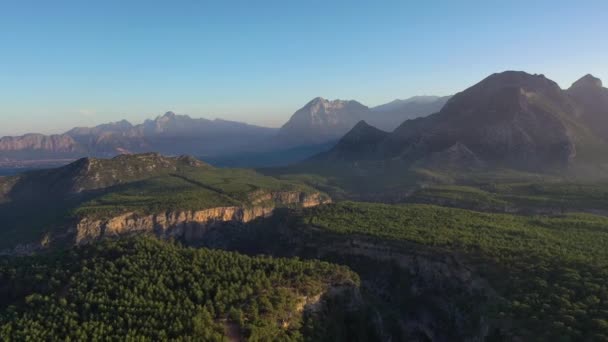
190	225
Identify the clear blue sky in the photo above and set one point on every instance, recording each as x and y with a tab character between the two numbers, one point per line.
67	63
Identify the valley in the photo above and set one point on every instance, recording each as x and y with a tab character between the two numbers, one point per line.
438	230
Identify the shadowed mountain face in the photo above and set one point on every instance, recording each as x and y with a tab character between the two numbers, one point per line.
592	99
511	119
358	143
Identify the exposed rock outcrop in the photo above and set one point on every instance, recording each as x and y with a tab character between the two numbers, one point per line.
321	120
190	225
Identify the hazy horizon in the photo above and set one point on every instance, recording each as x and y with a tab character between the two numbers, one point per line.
80	64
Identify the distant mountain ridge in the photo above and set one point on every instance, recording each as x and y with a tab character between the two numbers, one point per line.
510	119
322	120
390	115
169	133
311	129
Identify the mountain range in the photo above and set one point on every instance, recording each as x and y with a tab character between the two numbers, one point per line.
508	120
483	234
323	120
169	133
314	128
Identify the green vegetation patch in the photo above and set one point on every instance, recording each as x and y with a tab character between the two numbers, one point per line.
551	271
43	202
193	190
148	290
524	196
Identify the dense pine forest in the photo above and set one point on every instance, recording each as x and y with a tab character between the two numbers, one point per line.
147	290
549	273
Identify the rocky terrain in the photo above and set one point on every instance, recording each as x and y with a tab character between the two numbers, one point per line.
189	226
512	120
321	120
171	197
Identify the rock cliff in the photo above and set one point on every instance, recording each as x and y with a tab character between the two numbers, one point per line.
190	225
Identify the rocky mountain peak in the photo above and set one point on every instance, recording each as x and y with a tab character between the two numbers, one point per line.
510	119
321	105
92	173
507	92
169	117
321	120
587	81
518	79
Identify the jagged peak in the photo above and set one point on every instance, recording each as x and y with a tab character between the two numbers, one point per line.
170	116
320	101
587	81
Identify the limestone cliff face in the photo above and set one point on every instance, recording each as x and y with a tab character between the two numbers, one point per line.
191	225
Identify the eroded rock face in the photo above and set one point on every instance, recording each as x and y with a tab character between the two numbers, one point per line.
190	225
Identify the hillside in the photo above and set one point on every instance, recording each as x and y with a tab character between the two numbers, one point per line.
509	123
435	273
177	197
548	271
145	289
512	119
358	143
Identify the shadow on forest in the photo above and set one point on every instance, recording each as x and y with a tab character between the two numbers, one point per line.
406	290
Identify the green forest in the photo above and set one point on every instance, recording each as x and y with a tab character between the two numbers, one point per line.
551	273
143	289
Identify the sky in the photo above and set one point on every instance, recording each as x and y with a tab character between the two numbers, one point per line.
82	63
